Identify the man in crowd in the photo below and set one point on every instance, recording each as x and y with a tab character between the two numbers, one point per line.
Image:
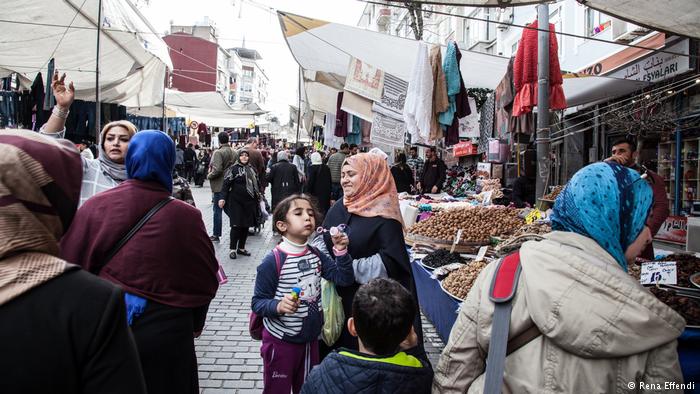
84	151
223	158
624	152
335	163
434	173
179	160
190	162
415	163
354	149
283	178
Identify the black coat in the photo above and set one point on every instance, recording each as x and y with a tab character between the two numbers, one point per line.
319	186
240	206
284	179
523	192
68	335
434	174
369	236
403	177
344	374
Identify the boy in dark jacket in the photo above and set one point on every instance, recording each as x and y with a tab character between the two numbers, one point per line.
382	318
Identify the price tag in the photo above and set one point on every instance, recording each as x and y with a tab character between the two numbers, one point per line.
535	214
661	272
457	238
482	253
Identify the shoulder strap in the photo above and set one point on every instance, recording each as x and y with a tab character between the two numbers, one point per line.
278	260
503	287
134	230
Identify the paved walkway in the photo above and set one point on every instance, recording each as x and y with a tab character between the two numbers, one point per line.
229	360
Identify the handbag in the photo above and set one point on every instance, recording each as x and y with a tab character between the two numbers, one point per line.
133	231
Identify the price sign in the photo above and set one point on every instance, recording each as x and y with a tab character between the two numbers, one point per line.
535	214
458	237
659	272
482	253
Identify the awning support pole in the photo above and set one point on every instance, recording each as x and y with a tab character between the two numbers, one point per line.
98	113
543	159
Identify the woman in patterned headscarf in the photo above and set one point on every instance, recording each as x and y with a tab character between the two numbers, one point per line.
63	330
370	209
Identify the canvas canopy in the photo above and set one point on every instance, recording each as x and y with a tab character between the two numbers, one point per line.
678	16
133	57
324	50
208	107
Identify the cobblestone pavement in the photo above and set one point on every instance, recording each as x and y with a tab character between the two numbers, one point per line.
229	360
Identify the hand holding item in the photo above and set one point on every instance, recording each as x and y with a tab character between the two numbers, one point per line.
434	190
64	95
340	241
617	159
288	305
222	203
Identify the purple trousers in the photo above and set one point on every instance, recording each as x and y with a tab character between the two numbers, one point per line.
286	365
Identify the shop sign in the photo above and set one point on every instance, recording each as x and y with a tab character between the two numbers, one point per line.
625	56
657	67
674	230
464	149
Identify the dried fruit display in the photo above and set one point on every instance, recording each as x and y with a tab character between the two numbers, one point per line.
459	282
441	257
554	193
478	224
534	228
686	266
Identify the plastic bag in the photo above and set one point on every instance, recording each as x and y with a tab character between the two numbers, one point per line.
333	315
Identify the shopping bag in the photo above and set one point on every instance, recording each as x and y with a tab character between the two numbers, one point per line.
333	315
263	210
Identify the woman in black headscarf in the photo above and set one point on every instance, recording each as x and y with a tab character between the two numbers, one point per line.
240	196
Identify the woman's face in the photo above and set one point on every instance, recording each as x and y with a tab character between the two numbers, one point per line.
244	159
637	247
349	180
116	143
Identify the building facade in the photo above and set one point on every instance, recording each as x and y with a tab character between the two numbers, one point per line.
200	64
248	77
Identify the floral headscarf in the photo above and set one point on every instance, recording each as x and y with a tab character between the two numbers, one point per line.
375	194
606	202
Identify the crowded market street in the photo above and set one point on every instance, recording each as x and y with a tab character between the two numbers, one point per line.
229	360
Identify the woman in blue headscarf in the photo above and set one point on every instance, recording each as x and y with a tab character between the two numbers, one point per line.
167	268
596	329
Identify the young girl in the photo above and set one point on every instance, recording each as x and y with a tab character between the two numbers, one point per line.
292	322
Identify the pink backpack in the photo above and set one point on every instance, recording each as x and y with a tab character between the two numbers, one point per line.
255	322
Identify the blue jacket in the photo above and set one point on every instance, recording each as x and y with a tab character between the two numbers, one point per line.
347	371
264	302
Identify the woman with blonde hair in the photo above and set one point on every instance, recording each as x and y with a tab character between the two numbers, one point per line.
108	169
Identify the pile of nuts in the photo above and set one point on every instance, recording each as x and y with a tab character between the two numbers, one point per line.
441	257
478	224
554	193
459	282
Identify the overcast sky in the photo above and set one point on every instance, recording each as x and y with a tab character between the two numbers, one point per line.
235	19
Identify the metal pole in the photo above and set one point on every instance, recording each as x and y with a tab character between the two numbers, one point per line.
299	109
678	173
165	85
98	113
542	100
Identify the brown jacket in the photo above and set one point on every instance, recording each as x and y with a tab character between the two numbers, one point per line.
440	100
221	160
601	330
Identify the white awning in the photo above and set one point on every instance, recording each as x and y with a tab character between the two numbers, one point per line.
133	57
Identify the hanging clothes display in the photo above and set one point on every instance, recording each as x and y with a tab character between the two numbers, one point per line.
441	101
393	97
364	79
329	137
341	118
355	132
486	122
452	77
37	102
357	105
419	98
388	126
366	132
525	73
504	95
461	107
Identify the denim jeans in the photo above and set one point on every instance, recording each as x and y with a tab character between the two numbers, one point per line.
217	213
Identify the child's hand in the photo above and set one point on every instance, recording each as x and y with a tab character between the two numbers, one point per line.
411	340
340	241
287	305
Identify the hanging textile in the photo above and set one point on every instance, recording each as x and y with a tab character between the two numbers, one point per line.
366	132
387	130
341	118
452	77
364	80
461	108
504	96
419	97
329	138
525	73
357	105
486	122
469	125
355	132
394	95
441	101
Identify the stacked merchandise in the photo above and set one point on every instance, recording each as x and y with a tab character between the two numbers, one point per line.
459	182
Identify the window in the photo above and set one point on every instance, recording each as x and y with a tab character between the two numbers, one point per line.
465	31
556	19
593	20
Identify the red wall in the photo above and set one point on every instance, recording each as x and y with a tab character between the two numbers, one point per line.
197	57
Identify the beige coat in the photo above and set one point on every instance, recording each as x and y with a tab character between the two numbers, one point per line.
602	331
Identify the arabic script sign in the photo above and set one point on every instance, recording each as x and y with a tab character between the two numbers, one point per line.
657	67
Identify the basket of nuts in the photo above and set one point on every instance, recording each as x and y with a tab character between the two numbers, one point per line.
458	283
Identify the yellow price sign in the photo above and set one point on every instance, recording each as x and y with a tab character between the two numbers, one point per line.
535	214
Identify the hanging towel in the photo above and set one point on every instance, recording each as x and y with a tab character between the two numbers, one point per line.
453	80
525	73
461	102
440	100
357	105
419	98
